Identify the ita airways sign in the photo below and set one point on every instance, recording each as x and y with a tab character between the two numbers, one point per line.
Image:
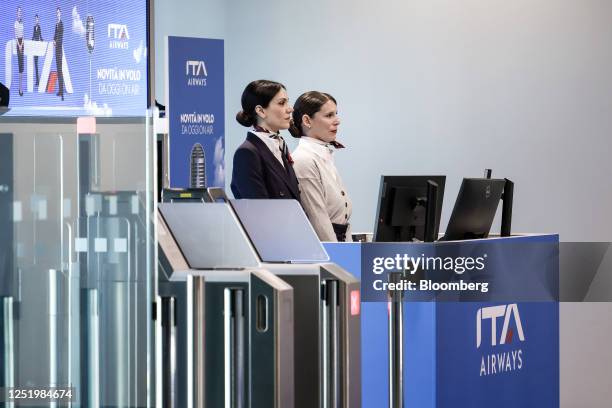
492	354
498	361
195	111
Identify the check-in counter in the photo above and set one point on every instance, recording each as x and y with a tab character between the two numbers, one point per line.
455	348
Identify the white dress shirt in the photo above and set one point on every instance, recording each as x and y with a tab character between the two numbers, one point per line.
18	29
323	195
272	143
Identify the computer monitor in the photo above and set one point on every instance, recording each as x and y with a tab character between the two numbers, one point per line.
409	208
474	209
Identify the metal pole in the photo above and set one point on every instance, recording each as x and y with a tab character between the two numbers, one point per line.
334	341
169	380
93	348
325	346
238	350
53	329
234	346
7	375
197	323
396	345
331	388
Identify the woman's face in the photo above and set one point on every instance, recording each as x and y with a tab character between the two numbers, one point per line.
323	125
277	115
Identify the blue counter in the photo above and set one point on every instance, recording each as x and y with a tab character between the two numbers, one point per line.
468	354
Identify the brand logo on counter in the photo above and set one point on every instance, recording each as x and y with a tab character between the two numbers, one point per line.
505	361
492	313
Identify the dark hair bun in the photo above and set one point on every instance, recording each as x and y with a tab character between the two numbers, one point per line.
295	131
245	119
256	93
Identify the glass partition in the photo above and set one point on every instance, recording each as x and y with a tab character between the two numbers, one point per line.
77	258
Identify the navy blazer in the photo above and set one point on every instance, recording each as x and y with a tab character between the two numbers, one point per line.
258	174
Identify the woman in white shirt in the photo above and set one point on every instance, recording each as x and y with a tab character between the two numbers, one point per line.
323	195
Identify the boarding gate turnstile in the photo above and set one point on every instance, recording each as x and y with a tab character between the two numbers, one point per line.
326	298
239	318
327	316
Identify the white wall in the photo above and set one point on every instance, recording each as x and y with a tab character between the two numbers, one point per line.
189	18
448	87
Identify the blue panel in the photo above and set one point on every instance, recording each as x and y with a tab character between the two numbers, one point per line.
374	355
346	254
196	111
420	354
525	373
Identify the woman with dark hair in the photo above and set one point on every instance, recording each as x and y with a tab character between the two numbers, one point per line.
324	197
263	167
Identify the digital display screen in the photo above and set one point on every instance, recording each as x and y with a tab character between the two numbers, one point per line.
70	58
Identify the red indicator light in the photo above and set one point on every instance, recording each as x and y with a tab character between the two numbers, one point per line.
355	303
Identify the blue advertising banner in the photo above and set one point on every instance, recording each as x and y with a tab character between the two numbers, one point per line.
195	111
74	57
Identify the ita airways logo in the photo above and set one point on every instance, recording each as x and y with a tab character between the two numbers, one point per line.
196	73
119	36
492	313
501	352
34	49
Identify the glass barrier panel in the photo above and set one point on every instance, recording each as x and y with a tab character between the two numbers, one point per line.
77	258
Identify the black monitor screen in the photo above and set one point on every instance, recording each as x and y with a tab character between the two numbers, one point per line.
402	208
77	57
474	209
